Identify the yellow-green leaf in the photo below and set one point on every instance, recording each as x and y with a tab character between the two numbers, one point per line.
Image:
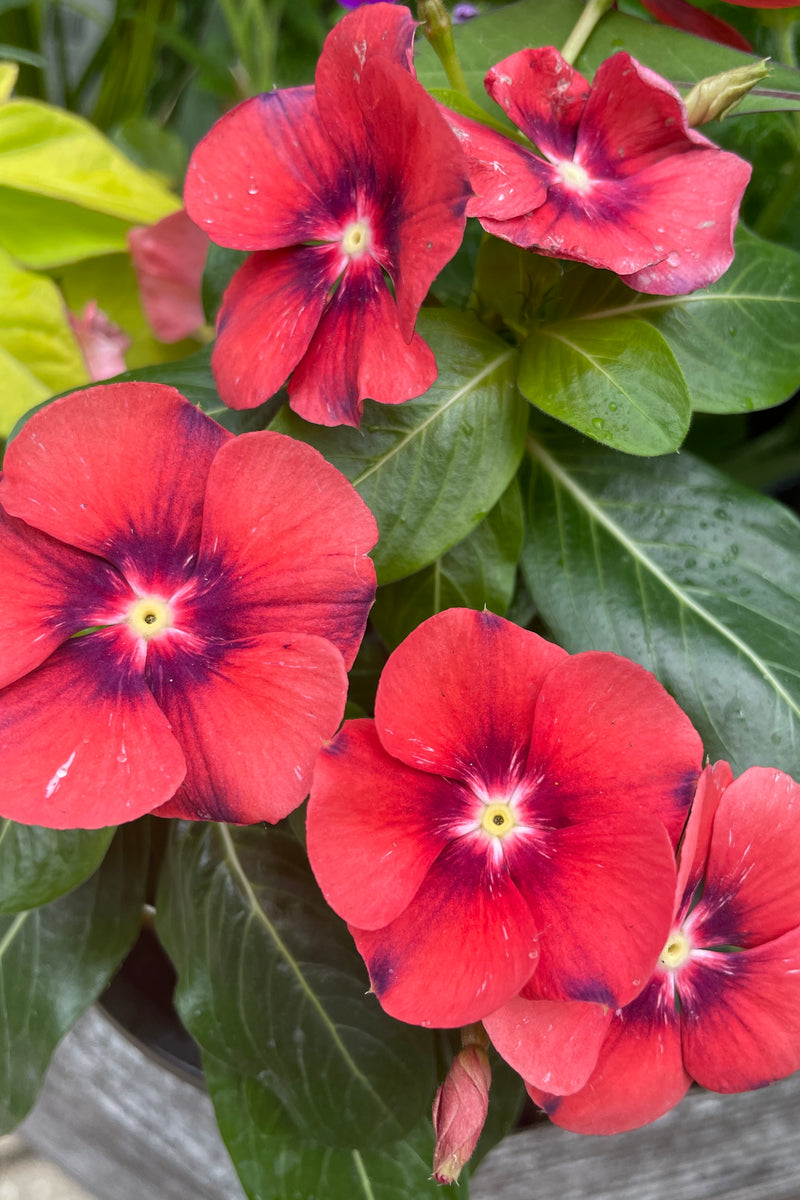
8	78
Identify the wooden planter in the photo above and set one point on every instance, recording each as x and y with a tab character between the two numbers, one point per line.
127	1127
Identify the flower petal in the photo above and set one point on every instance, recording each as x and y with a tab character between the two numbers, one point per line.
417	183
118	470
266	175
552	1044
639	1074
508	180
682	15
611	739
83	744
384	31
697	834
358	352
752	893
169	259
50	592
285	544
543	95
464	946
457	697
251	719
586	886
740	1015
375	827
268	317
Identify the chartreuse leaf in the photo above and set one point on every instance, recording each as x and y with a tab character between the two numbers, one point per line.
8	78
735	341
678	56
480	571
274	1162
612	378
37	865
432	468
57	958
38	352
65	191
672	564
272	986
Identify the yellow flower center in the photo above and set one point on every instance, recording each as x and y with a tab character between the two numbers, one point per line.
676	950
497	820
574	176
149	616
355	239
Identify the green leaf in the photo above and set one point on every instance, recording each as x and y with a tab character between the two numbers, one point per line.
680	57
432	468
670	563
735	341
270	983
480	571
221	266
38	352
515	285
56	959
37	865
44	232
274	1162
612	378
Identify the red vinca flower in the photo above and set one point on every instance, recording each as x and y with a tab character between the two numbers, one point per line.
723	1005
620	181
335	187
504	814
178	611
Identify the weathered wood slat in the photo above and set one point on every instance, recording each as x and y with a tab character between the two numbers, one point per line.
126	1128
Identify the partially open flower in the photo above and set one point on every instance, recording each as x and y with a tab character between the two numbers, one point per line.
723	1004
619	179
459	1110
178	612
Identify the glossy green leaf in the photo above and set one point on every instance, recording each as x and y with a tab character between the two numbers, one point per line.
56	959
221	265
37	865
672	564
270	983
432	468
680	57
38	352
612	378
514	284
735	341
275	1162
480	571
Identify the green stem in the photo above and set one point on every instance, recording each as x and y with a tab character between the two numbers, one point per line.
584	26
438	29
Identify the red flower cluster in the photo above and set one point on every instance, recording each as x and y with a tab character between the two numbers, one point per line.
336	187
178	613
493	831
620	181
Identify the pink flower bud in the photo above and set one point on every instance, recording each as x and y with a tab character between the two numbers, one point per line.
103	344
459	1111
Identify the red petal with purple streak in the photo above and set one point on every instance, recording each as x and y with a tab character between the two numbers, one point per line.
463	947
267	175
508	180
543	95
251	719
696	838
268	318
599	719
752	887
358	352
118	470
82	741
457	697
50	591
639	1074
740	1014
285	545
375	827
584	885
552	1044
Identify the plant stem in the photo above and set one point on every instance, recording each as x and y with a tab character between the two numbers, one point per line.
586	22
438	29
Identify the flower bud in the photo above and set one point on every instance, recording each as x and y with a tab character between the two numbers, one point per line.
718	95
459	1111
